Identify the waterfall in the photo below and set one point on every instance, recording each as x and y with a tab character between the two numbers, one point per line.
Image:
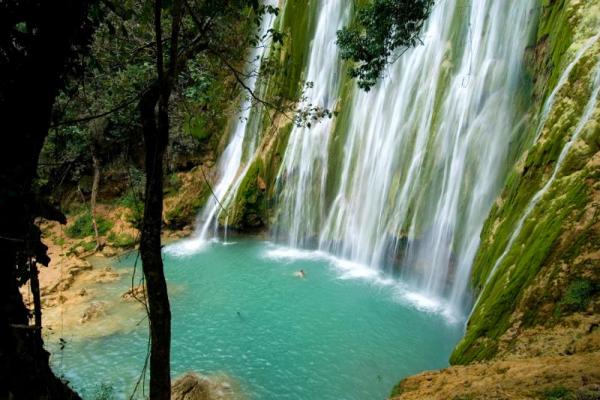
303	172
243	141
423	152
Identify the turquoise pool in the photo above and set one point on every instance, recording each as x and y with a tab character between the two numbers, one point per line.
342	332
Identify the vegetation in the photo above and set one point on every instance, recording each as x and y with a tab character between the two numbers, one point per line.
82	226
558	393
577	296
38	56
545	275
381	31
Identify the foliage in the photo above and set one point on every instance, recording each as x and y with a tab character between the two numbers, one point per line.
123	240
121	67
136	207
83	227
558	393
379	30
577	296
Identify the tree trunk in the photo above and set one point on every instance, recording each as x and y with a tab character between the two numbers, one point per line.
93	197
32	65
156	132
37	301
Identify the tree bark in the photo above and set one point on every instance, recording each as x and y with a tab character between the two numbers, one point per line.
155	139
154	114
95	184
32	67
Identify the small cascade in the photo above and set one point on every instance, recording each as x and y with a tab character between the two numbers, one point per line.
422	153
564	78
243	141
585	119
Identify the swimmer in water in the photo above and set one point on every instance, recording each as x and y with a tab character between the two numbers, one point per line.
300	274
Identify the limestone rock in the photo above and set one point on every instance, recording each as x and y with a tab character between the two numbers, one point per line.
134	293
95	310
191	387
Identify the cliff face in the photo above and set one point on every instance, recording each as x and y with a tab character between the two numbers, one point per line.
538	259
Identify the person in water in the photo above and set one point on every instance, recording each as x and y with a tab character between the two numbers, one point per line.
300	274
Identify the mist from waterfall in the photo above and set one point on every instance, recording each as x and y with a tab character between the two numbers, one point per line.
424	152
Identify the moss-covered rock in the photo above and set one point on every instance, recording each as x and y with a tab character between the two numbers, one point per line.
539	277
186	194
249	208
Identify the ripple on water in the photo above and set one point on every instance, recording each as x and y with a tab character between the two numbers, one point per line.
344	332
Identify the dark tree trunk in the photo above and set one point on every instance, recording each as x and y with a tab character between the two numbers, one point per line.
97	128
32	66
94	195
156	132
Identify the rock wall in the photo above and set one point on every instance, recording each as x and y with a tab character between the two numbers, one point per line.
550	270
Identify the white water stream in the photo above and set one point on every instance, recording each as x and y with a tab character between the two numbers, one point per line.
585	119
231	165
564	78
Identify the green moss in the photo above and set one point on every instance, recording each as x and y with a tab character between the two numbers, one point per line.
535	245
397	390
136	205
287	62
558	393
338	135
556	28
548	239
86	245
187	205
83	226
121	240
577	296
249	208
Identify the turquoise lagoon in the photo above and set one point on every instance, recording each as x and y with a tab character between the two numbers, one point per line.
342	332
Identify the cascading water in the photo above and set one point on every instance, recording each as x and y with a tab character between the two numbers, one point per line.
564	78
423	151
232	160
585	119
303	173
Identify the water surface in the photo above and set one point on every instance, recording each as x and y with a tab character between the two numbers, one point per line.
340	333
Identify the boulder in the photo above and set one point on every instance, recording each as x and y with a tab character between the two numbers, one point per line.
191	387
95	310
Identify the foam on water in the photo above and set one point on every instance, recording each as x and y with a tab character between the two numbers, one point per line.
347	269
188	247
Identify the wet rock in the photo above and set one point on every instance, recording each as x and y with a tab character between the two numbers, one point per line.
107	275
108	251
134	293
95	310
191	387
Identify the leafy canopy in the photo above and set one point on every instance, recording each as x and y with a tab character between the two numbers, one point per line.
382	29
